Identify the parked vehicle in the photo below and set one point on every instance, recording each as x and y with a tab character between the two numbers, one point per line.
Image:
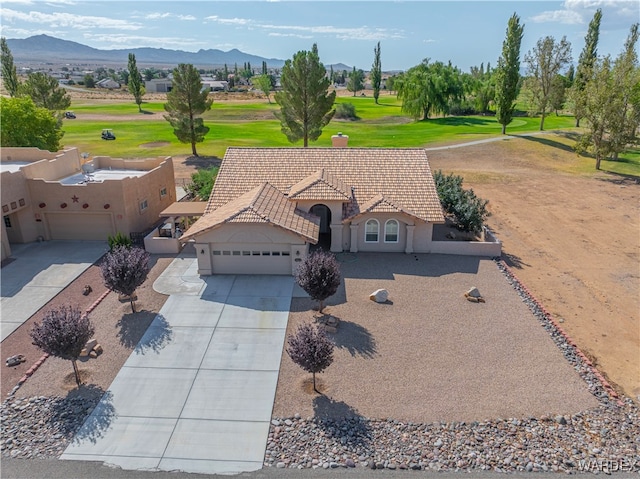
107	134
69	114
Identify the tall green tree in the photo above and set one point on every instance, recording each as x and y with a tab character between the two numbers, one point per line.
306	106
22	123
9	73
544	62
376	73
626	114
612	103
46	92
429	88
264	83
507	75
586	61
356	81
135	85
185	102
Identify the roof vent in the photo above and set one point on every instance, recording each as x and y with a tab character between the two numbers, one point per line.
339	140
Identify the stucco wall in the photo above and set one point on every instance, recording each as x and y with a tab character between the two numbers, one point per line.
28	154
14	189
64	164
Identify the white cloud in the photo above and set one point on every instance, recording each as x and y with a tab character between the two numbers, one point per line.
68	20
342	33
559	16
120	41
160	16
429	40
18	2
229	21
616	13
295	35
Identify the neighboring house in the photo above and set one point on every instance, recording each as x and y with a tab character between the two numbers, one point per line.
108	83
158	85
269	205
48	196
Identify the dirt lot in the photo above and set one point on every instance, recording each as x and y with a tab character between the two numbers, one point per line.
573	240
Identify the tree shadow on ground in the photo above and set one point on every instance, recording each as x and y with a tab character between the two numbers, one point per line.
619	178
84	414
353	337
513	261
144	330
203	162
547	142
340	421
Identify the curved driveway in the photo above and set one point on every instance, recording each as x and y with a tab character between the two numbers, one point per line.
197	393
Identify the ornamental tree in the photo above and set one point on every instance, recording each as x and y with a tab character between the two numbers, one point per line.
311	349
319	276
63	333
124	269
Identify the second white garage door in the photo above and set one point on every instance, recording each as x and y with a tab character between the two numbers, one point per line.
74	226
268	258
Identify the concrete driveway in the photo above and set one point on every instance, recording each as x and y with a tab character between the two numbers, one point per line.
38	273
197	393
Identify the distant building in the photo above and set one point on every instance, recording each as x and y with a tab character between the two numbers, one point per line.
108	83
49	196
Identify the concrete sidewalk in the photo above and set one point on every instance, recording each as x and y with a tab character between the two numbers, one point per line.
197	393
38	273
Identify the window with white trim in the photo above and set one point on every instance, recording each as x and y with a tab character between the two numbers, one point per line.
371	231
391	228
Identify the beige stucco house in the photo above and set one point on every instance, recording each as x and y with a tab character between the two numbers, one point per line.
49	196
269	205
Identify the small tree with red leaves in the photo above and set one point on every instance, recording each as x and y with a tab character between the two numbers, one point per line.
124	269
311	349
319	276
63	333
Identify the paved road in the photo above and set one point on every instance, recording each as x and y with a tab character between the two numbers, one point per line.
197	393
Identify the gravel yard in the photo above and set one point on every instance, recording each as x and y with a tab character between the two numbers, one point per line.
432	355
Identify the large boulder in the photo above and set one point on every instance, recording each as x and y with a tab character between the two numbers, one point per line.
474	295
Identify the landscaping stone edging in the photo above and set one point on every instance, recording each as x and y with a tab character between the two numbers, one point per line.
44	357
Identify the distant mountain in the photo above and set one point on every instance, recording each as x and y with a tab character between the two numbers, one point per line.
47	49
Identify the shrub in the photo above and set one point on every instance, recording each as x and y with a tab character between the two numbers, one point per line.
311	349
202	183
469	212
119	239
319	276
124	269
346	111
63	333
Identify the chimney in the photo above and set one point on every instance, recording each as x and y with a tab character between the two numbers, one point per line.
339	140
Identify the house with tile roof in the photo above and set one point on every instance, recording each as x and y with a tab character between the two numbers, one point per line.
269	205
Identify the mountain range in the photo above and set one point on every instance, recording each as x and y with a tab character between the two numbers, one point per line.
47	49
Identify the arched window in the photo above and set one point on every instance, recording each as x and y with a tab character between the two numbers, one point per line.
371	231
391	231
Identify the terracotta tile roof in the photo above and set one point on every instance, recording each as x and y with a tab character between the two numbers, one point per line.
262	204
377	204
401	175
322	185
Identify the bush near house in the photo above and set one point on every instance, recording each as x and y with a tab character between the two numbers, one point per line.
202	183
469	212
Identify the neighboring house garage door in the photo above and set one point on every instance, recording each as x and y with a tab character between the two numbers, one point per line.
256	258
71	226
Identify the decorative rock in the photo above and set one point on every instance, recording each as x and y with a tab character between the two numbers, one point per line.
15	360
93	354
98	349
91	344
474	295
379	296
84	353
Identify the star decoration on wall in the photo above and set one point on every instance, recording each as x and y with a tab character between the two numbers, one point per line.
75	198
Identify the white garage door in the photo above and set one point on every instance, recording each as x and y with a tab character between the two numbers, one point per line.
71	226
268	258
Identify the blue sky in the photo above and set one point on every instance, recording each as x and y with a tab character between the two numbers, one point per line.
465	32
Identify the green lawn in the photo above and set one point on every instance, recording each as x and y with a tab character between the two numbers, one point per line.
254	124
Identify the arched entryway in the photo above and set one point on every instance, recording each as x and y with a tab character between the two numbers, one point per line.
324	213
